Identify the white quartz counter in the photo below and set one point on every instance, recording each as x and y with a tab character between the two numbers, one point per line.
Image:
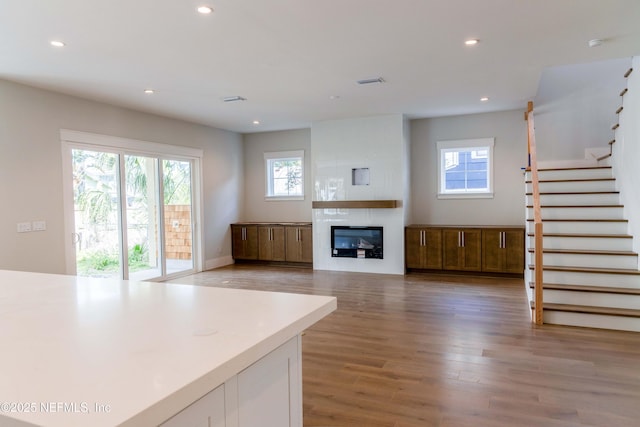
102	352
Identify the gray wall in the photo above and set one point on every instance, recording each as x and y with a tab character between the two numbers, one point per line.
256	208
510	154
31	170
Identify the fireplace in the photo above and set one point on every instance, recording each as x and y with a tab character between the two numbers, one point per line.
356	242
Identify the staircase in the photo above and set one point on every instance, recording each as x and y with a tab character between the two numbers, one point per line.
591	275
590	272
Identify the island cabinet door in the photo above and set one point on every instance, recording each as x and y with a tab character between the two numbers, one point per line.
208	411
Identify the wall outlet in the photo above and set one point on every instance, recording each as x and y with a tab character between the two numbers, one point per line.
39	226
24	227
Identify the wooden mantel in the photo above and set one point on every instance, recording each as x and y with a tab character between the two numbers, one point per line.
355	204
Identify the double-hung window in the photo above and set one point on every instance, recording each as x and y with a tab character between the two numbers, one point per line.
465	168
284	175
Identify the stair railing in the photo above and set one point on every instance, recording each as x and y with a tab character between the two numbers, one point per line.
537	216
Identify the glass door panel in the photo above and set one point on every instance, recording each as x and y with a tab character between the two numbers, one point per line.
143	217
97	235
178	228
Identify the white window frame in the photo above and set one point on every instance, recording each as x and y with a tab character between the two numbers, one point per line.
281	155
445	146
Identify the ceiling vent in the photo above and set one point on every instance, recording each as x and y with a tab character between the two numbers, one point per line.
371	81
233	99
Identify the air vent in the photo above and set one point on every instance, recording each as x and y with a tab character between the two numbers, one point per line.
233	99
371	81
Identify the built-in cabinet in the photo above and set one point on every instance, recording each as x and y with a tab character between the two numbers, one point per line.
244	241
490	249
299	243
423	248
267	393
273	242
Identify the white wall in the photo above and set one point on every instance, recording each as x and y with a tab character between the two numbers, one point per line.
626	154
575	108
31	170
256	208
338	146
510	154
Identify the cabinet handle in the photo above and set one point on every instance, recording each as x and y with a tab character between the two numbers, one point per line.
243	233
504	239
297	234
424	238
462	238
500	243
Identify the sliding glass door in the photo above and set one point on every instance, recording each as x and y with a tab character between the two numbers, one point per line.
133	215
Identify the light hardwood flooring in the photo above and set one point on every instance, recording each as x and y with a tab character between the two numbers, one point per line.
435	350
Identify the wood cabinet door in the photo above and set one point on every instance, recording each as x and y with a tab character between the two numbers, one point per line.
244	241
432	239
492	252
299	244
413	248
472	249
452	253
271	243
306	244
514	251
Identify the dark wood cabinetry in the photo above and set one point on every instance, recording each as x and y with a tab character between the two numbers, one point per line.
488	249
462	249
244	241
299	243
271	243
503	250
275	242
423	248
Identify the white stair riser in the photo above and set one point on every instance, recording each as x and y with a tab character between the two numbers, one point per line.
572	174
573	186
593	279
593	243
592	320
592	299
585	199
604	212
590	260
584	227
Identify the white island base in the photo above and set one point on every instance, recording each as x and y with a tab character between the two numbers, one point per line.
101	352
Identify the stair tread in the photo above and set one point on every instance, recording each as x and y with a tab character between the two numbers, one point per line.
588	288
626	271
572	180
598	236
611	311
579	206
571	193
585	252
574	168
584	220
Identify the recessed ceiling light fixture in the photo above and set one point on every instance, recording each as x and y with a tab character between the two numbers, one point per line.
233	99
334	97
484	99
471	42
149	91
256	122
595	42
205	10
370	81
57	43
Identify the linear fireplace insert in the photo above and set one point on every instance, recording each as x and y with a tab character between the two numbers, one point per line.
356	242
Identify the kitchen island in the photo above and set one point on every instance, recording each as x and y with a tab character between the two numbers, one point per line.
104	352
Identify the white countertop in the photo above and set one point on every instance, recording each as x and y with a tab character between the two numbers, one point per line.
103	352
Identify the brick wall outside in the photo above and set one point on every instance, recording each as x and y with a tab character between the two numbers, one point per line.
178	238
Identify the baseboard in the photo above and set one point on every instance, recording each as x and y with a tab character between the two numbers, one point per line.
210	264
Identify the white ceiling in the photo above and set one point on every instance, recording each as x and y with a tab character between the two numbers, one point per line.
288	57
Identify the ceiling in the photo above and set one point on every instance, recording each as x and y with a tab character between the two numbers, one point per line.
297	61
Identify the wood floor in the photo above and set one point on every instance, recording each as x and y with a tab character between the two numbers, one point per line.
429	350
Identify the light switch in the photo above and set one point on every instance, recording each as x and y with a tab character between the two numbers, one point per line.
24	227
39	225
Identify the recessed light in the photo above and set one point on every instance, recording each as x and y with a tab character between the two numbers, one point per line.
471	42
484	99
57	43
205	10
256	122
334	97
595	42
149	91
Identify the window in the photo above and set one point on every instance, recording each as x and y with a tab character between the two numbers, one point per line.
465	168
284	175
